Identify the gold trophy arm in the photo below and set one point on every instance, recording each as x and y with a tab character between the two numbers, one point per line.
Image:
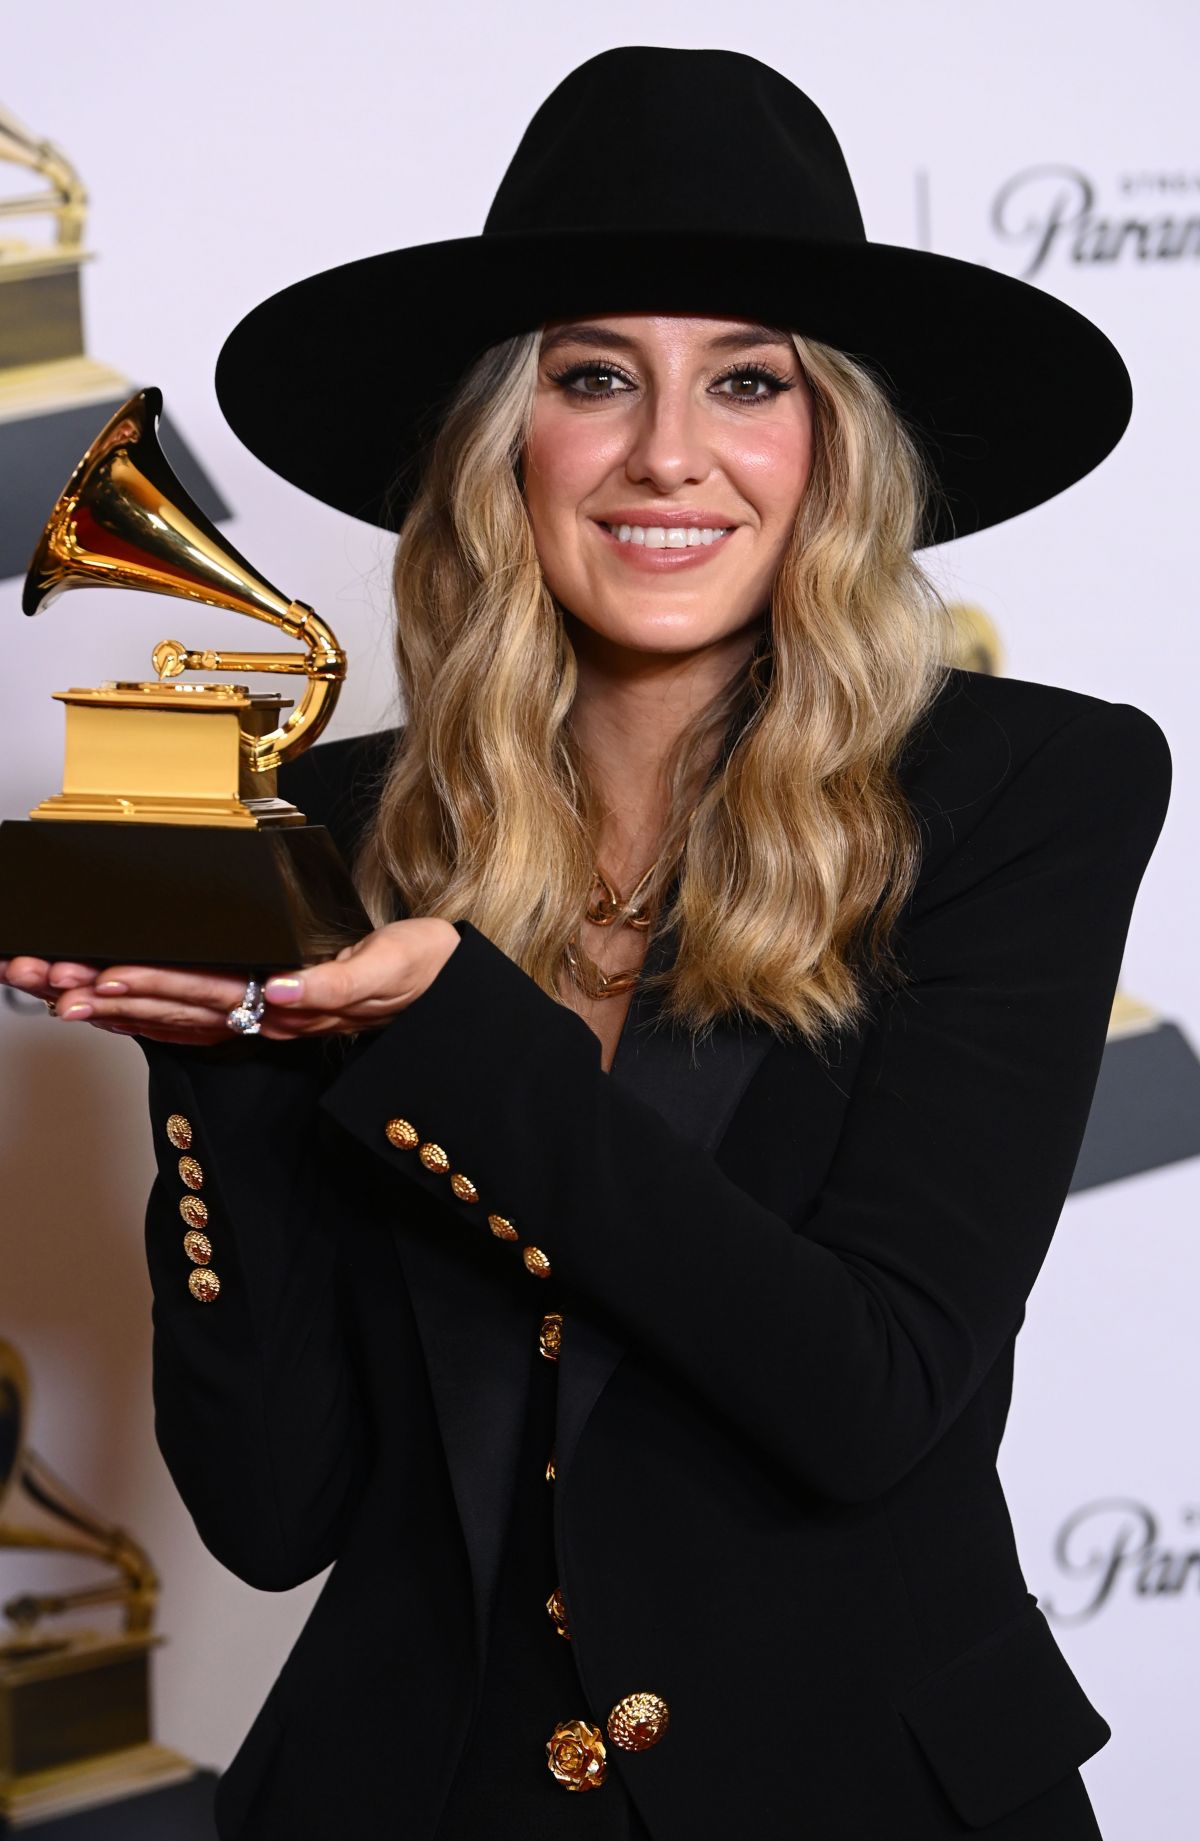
94	1538
323	663
67	200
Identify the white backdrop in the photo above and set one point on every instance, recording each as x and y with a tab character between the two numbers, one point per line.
232	148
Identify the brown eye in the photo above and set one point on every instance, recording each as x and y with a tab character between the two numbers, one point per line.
611	380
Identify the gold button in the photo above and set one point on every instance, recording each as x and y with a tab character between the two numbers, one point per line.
179	1131
434	1158
502	1227
551	1473
550	1335
463	1187
193	1210
197	1246
402	1135
576	1755
191	1172
536	1262
203	1283
638	1721
556	1605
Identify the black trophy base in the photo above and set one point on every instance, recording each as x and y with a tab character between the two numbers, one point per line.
205	895
1146	1111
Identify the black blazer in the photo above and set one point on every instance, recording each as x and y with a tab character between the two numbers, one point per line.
794	1286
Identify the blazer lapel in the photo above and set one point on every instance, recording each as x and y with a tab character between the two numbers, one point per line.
696	1087
475	1333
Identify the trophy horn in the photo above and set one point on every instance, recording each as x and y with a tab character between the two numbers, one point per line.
124	520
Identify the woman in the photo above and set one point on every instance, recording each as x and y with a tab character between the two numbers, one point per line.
676	1489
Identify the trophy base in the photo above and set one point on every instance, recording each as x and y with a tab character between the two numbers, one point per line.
75	1727
205	895
40	1796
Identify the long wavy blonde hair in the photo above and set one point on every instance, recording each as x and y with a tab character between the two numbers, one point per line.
802	850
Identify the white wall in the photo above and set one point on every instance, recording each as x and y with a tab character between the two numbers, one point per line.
229	150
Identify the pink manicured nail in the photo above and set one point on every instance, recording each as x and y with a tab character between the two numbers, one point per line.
113	986
74	1011
284	990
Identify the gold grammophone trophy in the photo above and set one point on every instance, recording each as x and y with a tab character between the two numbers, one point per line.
75	1718
168	843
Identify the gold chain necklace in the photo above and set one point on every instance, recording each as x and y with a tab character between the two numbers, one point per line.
607	910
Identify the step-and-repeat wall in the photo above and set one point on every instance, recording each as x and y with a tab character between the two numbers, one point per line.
227	152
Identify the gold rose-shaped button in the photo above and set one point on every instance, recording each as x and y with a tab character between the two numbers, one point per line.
197	1246
502	1227
556	1604
576	1756
191	1171
401	1134
434	1158
536	1262
203	1284
463	1187
179	1131
194	1210
638	1721
550	1335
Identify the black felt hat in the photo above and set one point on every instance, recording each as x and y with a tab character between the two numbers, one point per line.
662	181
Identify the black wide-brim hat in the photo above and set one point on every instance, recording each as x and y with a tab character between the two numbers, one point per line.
663	181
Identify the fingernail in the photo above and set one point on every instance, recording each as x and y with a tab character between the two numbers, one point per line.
114	985
284	990
76	1010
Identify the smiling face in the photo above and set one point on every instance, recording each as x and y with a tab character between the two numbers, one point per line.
664	469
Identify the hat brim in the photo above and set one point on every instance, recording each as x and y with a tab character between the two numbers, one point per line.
338	382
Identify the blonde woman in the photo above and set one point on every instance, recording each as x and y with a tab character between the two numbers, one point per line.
612	1264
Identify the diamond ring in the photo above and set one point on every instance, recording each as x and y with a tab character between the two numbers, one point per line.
246	1017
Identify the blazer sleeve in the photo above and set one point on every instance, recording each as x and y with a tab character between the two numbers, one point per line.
257	1410
844	1345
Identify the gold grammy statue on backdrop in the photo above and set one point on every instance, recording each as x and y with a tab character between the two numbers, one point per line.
168	841
74	1703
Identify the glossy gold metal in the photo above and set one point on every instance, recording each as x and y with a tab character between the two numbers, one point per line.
203	1284
576	1755
434	1158
402	1135
551	1472
502	1227
197	1246
463	1187
191	1172
557	1607
194	1210
550	1335
179	1131
536	1262
124	521
638	1721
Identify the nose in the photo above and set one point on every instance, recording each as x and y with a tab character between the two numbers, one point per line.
667	443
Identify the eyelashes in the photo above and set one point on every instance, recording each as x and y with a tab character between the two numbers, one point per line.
571	373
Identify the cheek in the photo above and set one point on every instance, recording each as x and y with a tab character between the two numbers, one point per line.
771	465
566	458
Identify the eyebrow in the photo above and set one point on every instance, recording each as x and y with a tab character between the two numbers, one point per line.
603	335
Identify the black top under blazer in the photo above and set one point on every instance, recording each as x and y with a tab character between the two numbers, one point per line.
791	1288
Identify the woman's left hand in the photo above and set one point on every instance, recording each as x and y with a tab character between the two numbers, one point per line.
363	988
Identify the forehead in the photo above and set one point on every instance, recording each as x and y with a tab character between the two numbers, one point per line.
629	331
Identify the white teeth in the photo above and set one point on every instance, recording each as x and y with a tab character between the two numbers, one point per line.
667	536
